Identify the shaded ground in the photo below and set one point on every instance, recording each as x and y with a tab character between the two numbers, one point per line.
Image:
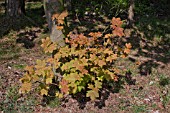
148	66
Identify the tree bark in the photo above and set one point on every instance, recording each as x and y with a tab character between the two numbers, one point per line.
15	7
131	13
51	7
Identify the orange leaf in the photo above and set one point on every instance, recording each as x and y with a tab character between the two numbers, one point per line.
116	22
126	50
96	34
118	31
64	86
60	27
128	45
101	63
63	15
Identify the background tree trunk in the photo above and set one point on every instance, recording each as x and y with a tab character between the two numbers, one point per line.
51	7
131	12
15	7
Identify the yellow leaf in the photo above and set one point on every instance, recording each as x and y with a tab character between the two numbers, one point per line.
44	92
108	36
93	94
35	78
29	69
57	94
49	80
26	77
45	42
40	64
26	87
47	45
60	95
98	84
90	86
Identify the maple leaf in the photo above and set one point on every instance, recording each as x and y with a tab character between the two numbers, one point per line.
26	87
60	17
93	94
29	69
67	40
64	86
128	45
108	35
108	51
113	76
46	42
26	77
63	15
49	80
126	50
101	63
92	57
95	34
118	31
50	48
40	72
54	16
44	92
72	77
35	78
111	57
47	45
40	64
90	86
59	95
98	84
123	56
116	22
107	42
60	27
82	69
116	70
84	60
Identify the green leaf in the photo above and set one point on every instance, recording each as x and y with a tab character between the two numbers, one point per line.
98	84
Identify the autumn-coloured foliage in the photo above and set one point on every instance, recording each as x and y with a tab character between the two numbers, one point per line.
60	19
83	64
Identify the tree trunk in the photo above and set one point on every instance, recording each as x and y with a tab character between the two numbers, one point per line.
15	7
51	7
131	13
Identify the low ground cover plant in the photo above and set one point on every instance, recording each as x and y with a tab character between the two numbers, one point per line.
84	64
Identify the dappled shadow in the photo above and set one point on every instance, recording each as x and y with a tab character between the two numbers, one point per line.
104	93
33	18
27	38
108	87
151	41
94	16
88	23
